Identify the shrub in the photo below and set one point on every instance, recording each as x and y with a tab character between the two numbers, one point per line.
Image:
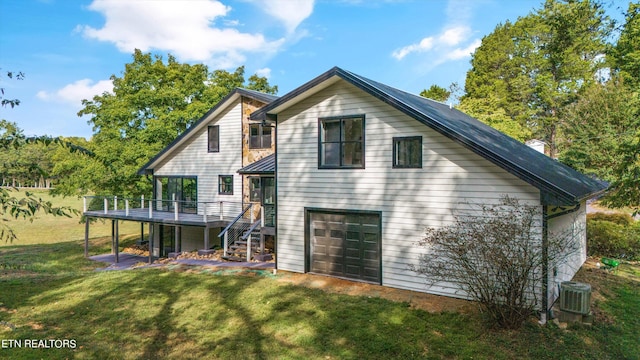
611	239
494	255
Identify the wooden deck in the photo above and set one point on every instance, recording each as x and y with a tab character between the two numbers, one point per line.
162	217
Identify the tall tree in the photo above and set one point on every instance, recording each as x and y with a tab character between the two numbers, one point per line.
436	92
625	55
152	103
606	116
540	64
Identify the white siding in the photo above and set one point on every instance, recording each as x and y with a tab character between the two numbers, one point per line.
573	228
193	159
409	199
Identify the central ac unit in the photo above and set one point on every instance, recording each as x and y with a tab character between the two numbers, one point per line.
575	297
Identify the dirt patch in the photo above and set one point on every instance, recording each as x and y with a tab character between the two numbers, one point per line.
416	300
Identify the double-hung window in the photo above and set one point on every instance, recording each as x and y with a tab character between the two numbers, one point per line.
259	136
341	142
407	152
225	184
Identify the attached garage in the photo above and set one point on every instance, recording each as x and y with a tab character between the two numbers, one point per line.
344	244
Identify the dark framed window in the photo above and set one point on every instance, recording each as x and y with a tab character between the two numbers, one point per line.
407	152
225	184
255	190
182	189
214	138
259	136
341	142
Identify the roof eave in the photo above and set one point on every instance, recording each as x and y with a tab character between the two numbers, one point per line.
221	105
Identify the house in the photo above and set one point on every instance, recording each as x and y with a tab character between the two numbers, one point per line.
362	168
358	171
202	182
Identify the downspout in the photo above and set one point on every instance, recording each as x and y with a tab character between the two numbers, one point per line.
545	257
545	266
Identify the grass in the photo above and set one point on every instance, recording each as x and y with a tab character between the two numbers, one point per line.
49	291
40	230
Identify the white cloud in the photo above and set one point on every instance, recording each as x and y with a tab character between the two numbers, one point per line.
459	53
185	29
266	72
74	93
446	44
290	12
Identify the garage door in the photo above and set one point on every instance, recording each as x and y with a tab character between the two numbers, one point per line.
345	245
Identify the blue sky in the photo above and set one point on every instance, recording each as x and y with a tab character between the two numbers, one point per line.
68	49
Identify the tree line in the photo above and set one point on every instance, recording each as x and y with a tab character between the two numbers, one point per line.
568	75
565	73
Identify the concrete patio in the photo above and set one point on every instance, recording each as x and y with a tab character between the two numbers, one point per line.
129	261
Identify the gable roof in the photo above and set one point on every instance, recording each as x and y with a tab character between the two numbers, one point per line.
266	165
558	183
234	95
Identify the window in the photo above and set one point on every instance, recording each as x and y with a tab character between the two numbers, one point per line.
255	191
214	138
341	142
407	152
259	136
182	189
225	184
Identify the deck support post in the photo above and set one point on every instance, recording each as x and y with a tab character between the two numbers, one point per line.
86	237
141	231
150	243
249	247
113	235
177	237
225	244
261	244
117	248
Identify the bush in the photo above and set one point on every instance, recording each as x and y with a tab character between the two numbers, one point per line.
612	239
494	255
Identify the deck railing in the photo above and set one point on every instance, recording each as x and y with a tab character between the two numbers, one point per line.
209	210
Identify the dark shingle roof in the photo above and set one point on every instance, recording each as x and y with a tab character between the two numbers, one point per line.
256	95
265	165
558	183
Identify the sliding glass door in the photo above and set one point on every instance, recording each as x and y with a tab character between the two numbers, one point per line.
184	190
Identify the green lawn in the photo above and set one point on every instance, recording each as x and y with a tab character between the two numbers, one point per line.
49	291
47	229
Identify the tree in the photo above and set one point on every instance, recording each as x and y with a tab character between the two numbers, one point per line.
25	206
151	104
437	93
11	102
625	55
605	116
540	64
489	112
494	254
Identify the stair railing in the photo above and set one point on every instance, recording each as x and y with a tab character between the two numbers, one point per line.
225	233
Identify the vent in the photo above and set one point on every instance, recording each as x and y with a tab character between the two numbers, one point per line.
575	297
